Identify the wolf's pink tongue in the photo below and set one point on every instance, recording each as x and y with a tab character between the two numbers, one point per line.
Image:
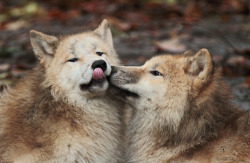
98	74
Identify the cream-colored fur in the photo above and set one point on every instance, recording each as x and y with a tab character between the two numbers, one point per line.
182	111
58	113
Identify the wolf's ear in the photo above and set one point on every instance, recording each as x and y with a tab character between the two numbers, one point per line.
189	53
104	32
200	66
44	46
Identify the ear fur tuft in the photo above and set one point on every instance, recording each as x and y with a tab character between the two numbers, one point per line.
44	46
104	32
200	66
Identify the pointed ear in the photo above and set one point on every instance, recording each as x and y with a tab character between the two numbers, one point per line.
200	66
104	32
44	46
189	53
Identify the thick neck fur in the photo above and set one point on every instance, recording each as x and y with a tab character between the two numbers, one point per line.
206	116
38	120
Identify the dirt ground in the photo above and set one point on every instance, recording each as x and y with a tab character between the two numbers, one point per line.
141	29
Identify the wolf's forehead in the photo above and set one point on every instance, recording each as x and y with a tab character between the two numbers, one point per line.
83	42
81	45
166	62
157	61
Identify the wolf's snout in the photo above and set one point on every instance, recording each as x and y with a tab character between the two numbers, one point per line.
99	64
113	69
99	67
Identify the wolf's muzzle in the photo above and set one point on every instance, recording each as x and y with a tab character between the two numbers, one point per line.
99	64
113	69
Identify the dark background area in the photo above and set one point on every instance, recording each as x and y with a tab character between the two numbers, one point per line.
141	29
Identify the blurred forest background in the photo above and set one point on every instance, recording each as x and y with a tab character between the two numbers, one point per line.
141	29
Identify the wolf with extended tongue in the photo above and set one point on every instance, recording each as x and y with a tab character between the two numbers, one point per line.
61	111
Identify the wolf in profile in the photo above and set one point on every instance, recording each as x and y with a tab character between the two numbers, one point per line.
182	111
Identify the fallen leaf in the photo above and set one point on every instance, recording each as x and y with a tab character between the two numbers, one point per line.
57	14
218	58
3	17
171	45
4	75
246	82
91	6
135	16
237	60
121	25
13	26
4	67
141	59
72	14
193	12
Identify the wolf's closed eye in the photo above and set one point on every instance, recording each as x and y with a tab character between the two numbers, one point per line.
73	59
99	53
156	73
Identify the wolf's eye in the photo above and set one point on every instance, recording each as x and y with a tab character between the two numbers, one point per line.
99	53
73	60
156	73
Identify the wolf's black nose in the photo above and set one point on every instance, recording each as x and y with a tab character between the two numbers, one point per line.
99	63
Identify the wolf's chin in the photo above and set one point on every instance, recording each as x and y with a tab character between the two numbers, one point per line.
95	86
118	91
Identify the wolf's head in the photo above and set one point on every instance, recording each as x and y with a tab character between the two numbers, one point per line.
165	84
76	65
